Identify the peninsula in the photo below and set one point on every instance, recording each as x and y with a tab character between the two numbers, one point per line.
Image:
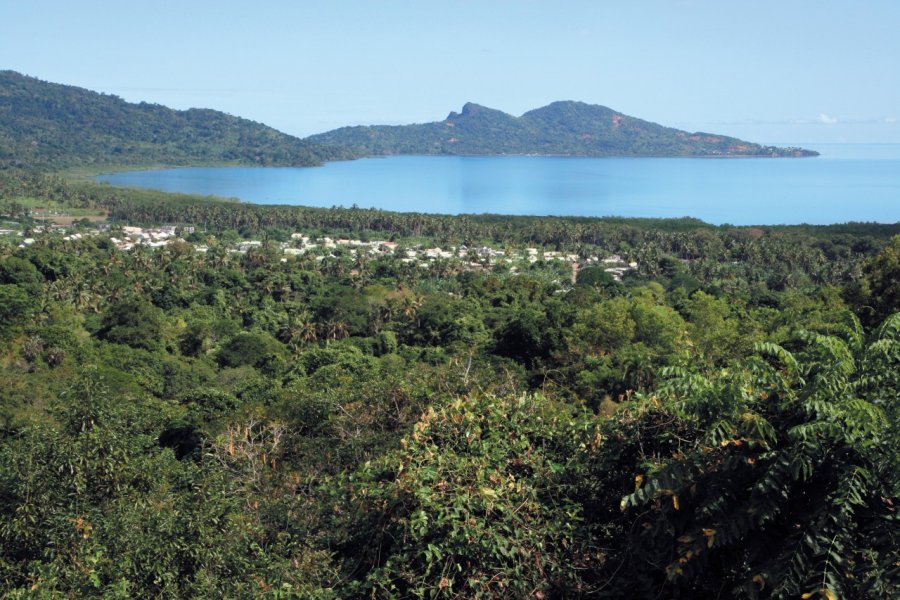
561	128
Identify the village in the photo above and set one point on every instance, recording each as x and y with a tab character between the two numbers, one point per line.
126	238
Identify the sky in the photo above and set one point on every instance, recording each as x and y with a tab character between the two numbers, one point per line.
771	71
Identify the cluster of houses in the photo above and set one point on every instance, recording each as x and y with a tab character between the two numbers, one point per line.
50	228
154	237
129	237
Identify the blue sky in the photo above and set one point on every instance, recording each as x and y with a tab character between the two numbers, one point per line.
775	71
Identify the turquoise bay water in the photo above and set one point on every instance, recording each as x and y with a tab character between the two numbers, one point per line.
848	182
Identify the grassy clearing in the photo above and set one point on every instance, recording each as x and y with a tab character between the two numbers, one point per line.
53	211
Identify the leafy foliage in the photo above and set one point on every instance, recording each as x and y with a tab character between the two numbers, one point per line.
781	491
472	505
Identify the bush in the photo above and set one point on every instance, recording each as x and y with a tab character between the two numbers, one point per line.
248	348
133	322
472	505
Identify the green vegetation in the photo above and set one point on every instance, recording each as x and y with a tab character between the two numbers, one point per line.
561	128
48	125
283	402
215	418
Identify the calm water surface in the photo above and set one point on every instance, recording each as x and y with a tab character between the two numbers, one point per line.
849	182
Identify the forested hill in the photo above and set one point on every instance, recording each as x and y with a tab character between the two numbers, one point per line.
561	128
51	125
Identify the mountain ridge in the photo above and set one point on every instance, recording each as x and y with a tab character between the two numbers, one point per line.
52	125
564	127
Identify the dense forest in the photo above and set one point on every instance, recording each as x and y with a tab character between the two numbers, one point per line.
561	128
230	415
48	125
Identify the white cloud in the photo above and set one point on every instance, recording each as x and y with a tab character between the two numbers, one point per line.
890	119
823	118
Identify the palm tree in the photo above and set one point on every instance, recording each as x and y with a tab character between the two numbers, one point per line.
337	330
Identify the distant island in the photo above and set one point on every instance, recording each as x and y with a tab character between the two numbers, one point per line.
50	126
561	128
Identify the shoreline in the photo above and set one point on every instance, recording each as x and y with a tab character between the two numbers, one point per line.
86	172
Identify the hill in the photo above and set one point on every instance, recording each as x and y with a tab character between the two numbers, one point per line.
51	125
561	128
